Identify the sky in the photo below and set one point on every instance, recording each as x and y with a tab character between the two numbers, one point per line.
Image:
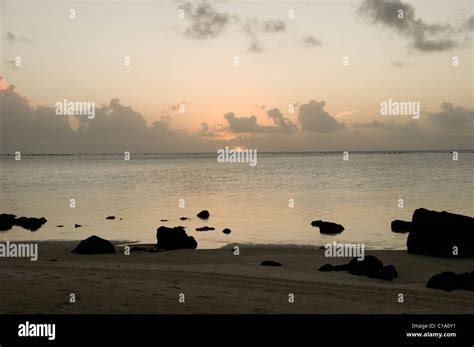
290	90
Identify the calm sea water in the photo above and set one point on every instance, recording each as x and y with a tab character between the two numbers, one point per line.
361	194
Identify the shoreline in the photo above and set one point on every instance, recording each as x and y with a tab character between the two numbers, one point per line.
217	281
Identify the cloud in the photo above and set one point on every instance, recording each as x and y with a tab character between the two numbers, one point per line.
313	118
311	41
205	131
11	37
256	46
372	125
116	128
424	37
204	21
253	27
397	63
250	125
284	124
451	117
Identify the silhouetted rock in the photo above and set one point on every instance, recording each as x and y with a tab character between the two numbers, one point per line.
7	221
60	226
163	220
401	226
205	228
270	263
466	280
227	231
440	234
447	281
343	267
94	245
204	214
110	217
327	227
30	223
77	225
174	238
326	268
184	218
387	273
370	266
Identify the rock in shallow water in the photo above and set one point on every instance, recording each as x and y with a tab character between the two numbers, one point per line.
400	226
327	227
94	245
227	231
205	228
441	234
30	223
204	214
174	238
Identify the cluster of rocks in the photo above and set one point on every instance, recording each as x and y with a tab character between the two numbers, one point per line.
7	221
440	234
450	281
370	266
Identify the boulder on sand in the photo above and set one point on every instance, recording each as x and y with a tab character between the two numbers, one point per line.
450	281
270	263
174	238
94	245
400	226
327	227
441	234
370	266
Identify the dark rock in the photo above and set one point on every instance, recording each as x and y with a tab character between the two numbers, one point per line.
30	223
54	260
447	281
227	231
174	238
94	245
370	266
110	217
327	227
388	273
205	228
163	220
60	226
270	263
7	221
204	214
466	280
184	218
326	267
77	225
343	267
401	226
437	233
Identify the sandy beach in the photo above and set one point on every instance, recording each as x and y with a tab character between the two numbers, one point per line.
217	281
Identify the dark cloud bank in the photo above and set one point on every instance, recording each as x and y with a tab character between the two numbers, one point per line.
117	128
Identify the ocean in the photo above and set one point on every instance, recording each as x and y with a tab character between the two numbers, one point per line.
272	202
